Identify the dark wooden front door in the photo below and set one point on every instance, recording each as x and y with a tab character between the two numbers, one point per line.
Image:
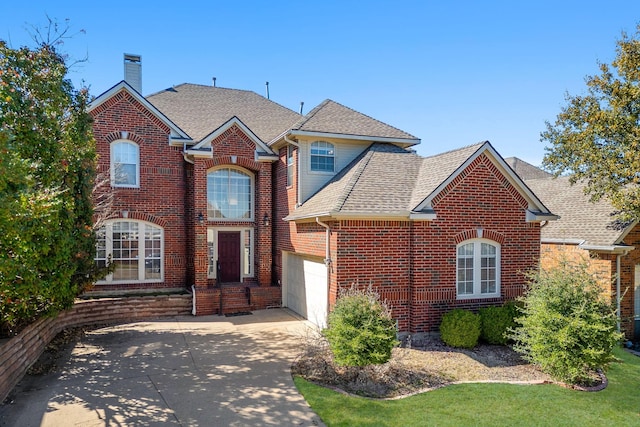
229	256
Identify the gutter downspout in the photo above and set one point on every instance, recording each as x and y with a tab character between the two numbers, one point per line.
299	187
193	307
618	309
327	259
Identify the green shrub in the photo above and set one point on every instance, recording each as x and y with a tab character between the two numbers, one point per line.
460	328
360	329
567	327
496	323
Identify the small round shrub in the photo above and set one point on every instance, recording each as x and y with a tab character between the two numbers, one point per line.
360	329
460	328
496	323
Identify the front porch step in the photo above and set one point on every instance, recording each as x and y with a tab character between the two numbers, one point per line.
235	298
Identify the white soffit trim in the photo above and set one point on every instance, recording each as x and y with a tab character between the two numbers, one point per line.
177	134
406	142
206	141
614	249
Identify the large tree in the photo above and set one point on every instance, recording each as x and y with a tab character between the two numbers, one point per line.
596	136
47	170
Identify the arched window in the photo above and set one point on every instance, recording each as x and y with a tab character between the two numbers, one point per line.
136	249
478	269
229	194
125	164
322	157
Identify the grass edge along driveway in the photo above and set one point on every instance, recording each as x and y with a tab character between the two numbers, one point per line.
491	404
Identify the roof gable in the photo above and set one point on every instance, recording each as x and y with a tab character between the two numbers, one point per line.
201	110
463	157
332	119
177	134
261	147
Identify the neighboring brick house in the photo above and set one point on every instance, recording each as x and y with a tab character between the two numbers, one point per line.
590	231
250	205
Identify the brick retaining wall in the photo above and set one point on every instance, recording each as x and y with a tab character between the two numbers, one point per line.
17	354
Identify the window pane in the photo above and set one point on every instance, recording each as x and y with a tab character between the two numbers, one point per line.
247	253
125	163
322	157
125	237
211	252
229	194
152	246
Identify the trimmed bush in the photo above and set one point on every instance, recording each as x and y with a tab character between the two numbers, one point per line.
460	328
567	328
360	329
496	323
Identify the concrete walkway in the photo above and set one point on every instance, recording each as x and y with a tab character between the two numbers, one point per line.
184	371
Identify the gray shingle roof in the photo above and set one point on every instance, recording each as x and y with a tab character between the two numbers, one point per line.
580	219
199	110
438	168
332	117
384	179
526	170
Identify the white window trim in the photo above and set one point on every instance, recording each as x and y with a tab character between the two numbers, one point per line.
290	166
113	166
141	250
335	160
477	256
252	177
213	232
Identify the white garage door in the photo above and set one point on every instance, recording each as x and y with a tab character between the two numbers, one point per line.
305	290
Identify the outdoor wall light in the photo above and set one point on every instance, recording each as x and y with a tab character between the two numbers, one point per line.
200	218
265	220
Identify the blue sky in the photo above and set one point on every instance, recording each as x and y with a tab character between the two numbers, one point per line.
450	73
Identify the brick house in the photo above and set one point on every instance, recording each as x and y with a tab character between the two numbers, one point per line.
590	231
250	205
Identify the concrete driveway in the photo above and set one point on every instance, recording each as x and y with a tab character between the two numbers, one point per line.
184	371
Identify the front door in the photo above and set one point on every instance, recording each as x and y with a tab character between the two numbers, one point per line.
229	256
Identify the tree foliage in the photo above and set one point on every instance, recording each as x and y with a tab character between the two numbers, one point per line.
48	165
567	327
360	329
596	136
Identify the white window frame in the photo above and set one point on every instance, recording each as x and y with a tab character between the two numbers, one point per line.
252	190
477	269
142	225
212	253
114	164
290	165
326	144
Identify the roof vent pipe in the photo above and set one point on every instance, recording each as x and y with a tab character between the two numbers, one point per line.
214	82
133	71
301	106
267	83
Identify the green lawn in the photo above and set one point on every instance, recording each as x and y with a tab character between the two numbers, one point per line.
492	404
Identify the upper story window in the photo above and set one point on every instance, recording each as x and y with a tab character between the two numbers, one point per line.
135	247
478	269
322	157
289	165
125	164
229	194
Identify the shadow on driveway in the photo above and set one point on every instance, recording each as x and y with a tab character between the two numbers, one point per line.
184	371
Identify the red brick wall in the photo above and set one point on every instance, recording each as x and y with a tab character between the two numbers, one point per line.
20	352
235	149
604	267
160	199
413	264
